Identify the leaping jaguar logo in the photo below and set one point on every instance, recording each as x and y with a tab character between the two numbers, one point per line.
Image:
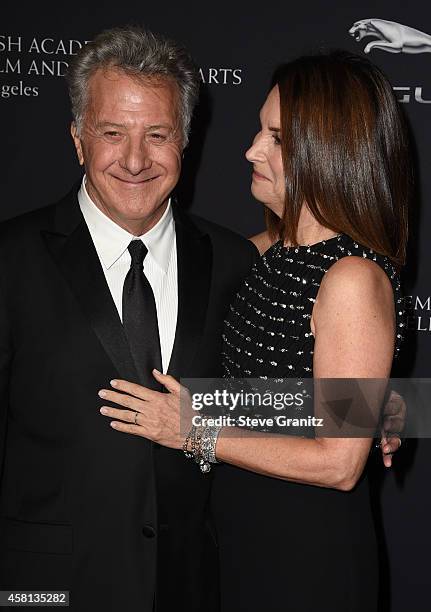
391	37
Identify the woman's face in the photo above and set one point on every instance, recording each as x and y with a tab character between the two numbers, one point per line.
268	184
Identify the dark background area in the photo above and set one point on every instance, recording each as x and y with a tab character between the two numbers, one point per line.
39	166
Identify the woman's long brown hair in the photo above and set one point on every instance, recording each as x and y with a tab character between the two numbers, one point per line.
345	152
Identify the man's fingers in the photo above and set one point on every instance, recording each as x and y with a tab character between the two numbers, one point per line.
128	416
128	428
395	409
393	425
127	401
132	389
395	405
168	381
387	461
391	408
393	443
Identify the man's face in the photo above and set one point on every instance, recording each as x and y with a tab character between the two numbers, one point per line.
130	145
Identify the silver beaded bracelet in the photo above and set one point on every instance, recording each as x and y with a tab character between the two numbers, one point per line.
208	443
202	442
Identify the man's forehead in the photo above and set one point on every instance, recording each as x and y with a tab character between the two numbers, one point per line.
114	80
121	98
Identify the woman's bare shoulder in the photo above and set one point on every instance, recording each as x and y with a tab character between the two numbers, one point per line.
263	241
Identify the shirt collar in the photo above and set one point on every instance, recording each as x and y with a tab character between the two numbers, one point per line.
111	240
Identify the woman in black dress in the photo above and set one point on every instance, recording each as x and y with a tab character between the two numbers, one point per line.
330	164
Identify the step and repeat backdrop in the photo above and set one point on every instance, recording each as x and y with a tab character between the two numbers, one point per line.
236	46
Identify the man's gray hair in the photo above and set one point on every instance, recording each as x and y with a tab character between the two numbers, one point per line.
137	52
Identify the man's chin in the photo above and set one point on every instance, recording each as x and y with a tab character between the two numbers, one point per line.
143	196
141	208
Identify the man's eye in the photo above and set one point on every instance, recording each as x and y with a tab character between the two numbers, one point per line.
158	137
112	135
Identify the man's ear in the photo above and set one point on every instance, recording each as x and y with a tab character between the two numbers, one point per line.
77	143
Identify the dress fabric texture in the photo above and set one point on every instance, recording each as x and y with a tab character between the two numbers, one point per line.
287	547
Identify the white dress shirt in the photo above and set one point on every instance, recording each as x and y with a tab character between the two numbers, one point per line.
160	264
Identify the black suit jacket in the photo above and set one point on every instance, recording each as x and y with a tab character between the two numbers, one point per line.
115	519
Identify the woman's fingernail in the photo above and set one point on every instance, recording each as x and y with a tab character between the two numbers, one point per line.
114	425
104	410
156	371
102	393
113	383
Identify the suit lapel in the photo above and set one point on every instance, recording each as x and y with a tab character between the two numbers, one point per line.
71	247
194	256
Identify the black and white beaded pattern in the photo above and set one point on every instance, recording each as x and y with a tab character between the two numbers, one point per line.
267	330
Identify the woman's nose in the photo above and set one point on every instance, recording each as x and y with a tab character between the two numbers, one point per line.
255	152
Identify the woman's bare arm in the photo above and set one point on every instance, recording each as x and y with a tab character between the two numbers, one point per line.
354	326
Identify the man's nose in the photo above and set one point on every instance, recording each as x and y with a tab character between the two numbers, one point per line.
136	156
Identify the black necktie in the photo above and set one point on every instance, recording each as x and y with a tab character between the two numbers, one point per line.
140	317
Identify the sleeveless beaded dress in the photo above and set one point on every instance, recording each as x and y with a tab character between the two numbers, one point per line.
283	546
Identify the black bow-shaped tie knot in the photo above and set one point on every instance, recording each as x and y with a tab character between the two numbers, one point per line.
138	252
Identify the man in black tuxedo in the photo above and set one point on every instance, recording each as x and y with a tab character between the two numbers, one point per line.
117	520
